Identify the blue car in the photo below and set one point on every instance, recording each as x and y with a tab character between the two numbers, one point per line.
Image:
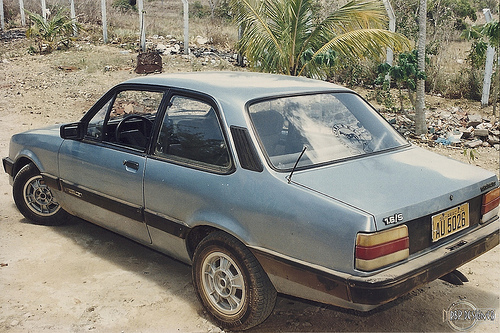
265	184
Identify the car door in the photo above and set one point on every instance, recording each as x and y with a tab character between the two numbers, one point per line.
102	174
190	162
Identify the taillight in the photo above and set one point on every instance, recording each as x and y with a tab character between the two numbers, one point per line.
382	248
490	206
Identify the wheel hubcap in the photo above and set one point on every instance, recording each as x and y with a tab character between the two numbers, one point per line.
39	198
223	283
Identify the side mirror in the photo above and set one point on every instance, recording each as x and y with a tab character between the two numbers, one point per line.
73	131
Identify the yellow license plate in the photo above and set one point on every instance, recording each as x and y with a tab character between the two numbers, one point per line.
449	222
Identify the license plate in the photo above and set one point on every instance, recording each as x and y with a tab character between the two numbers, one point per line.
449	222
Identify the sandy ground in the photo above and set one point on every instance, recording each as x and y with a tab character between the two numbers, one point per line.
82	278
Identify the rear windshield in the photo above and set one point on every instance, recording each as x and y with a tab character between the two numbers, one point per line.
330	126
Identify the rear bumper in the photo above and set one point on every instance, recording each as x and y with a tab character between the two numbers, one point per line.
367	292
401	279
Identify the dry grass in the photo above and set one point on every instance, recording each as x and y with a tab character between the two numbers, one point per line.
162	17
448	75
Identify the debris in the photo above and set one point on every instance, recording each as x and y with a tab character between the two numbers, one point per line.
13	34
474	120
493	139
451	127
481	132
201	40
474	143
68	68
148	62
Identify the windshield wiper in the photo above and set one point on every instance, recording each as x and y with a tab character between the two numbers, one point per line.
289	178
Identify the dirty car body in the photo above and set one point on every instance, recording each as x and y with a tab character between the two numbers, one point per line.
264	184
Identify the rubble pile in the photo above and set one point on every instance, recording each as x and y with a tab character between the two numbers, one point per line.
451	127
168	45
12	34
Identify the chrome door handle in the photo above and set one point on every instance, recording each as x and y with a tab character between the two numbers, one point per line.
131	165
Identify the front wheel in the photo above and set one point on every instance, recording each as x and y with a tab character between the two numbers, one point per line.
230	283
34	199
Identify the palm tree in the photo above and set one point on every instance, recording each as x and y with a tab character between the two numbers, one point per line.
284	36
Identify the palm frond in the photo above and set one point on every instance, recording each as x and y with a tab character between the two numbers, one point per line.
282	36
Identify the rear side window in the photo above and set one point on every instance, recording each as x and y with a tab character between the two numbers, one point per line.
190	133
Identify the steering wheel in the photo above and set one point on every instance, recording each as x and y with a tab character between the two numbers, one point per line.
145	128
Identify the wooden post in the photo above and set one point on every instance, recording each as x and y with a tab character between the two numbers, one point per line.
21	9
392	28
186	26
104	22
488	68
2	20
44	11
142	25
73	16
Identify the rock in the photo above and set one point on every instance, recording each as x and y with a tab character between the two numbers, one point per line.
466	132
474	143
482	132
493	139
474	120
161	48
201	40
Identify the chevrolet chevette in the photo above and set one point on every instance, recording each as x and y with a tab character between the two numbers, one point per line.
264	184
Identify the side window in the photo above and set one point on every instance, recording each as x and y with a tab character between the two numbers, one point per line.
190	132
95	128
126	119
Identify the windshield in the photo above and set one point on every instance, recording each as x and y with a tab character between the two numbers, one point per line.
330	126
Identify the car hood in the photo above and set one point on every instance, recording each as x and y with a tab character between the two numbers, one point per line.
413	182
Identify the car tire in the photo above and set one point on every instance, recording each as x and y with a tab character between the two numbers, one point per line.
230	283
34	199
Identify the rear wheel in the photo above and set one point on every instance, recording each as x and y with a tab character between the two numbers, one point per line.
34	199
230	283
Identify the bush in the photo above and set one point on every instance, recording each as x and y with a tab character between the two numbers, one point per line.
467	83
352	74
198	10
53	33
123	5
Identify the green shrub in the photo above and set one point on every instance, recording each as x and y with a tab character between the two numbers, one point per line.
198	10
123	5
52	33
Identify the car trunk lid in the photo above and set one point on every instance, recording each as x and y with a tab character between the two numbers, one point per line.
397	187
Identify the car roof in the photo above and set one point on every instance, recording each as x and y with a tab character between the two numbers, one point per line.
233	90
238	87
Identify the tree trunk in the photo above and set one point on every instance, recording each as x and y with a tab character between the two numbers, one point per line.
497	86
420	125
401	106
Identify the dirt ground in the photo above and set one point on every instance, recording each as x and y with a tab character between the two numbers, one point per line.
81	278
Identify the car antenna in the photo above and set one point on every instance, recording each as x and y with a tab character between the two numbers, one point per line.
289	178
